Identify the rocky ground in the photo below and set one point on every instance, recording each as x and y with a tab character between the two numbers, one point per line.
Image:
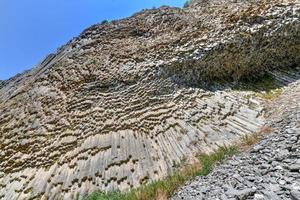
269	170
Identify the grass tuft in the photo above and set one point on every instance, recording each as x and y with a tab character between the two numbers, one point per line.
208	161
248	140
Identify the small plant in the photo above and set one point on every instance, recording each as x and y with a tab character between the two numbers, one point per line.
249	140
187	3
104	22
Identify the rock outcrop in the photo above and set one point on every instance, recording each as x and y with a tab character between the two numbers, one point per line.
125	102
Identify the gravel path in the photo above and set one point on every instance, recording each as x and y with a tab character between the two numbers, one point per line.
270	170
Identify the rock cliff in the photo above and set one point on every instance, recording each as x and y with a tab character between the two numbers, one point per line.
126	102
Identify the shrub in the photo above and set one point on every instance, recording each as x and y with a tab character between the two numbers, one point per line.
104	22
187	3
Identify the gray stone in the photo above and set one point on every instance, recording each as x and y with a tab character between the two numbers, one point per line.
294	167
295	195
240	194
259	197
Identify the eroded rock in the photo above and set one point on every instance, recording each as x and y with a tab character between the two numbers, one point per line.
114	108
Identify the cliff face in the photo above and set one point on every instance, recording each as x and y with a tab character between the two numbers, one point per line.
124	103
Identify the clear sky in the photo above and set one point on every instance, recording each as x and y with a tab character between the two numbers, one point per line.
31	29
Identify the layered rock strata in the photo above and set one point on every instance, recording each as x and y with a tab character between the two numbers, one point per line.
125	102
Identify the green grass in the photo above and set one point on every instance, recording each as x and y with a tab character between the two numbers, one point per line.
187	3
208	161
265	87
265	83
105	196
162	189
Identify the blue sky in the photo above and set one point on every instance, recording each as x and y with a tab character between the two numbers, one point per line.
31	29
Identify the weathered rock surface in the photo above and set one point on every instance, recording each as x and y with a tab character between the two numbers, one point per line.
270	170
122	105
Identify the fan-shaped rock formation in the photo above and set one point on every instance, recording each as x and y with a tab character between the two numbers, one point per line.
125	102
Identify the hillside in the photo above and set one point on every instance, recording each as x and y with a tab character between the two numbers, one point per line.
127	102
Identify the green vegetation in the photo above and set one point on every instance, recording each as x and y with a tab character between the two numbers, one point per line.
162	189
187	3
107	196
264	83
104	22
208	161
264	87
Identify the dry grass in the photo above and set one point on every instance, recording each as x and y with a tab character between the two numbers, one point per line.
161	195
266	130
248	140
270	95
